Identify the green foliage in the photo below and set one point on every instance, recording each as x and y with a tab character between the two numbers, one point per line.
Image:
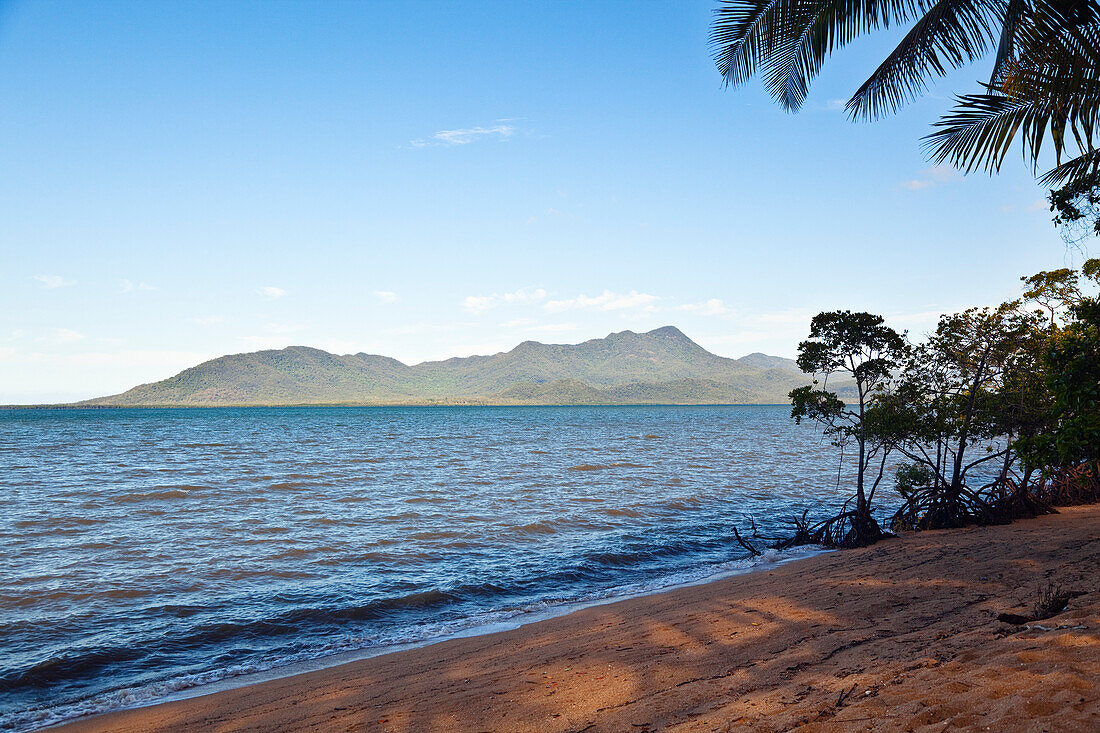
997	389
857	343
1074	365
1053	290
1071	365
810	403
963	396
912	476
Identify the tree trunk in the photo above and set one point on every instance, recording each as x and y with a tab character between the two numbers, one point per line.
864	528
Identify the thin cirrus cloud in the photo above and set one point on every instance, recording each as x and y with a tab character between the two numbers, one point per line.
129	286
937	175
62	336
478	304
712	307
606	301
1036	205
283	328
529	325
270	292
552	328
465	136
274	341
386	296
49	282
123	359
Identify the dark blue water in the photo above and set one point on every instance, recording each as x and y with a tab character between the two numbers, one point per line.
145	551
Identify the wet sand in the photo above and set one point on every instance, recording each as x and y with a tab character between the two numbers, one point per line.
899	636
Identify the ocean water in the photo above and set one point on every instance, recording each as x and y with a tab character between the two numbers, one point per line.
149	551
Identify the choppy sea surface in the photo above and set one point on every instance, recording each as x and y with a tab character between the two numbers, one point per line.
149	551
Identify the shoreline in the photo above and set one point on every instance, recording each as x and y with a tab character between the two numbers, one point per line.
489	623
74	406
903	623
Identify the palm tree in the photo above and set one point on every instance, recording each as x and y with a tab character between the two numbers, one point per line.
1044	82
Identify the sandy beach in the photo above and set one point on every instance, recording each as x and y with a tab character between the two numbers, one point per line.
899	636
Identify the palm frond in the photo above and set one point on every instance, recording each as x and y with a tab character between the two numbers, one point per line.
1046	86
1081	166
1015	11
816	32
740	39
951	34
979	131
789	39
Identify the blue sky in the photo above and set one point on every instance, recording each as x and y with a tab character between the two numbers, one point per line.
425	180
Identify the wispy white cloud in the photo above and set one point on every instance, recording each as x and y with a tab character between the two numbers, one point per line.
283	327
128	286
779	331
919	324
1036	205
411	329
790	316
738	338
529	325
208	320
62	336
550	214
265	342
283	340
270	292
773	332
478	304
49	282
16	334
386	296
551	328
935	176
606	301
127	358
835	105
712	307
343	346
466	135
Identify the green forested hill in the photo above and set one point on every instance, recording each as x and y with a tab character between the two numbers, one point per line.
661	366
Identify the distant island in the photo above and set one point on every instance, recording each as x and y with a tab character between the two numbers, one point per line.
662	366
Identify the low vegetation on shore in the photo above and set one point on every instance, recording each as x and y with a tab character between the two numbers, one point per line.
994	417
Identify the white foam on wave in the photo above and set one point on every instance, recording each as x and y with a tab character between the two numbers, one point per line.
354	648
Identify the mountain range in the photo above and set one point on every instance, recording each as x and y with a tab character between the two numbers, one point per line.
662	366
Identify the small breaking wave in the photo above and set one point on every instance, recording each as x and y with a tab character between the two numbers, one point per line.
503	616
